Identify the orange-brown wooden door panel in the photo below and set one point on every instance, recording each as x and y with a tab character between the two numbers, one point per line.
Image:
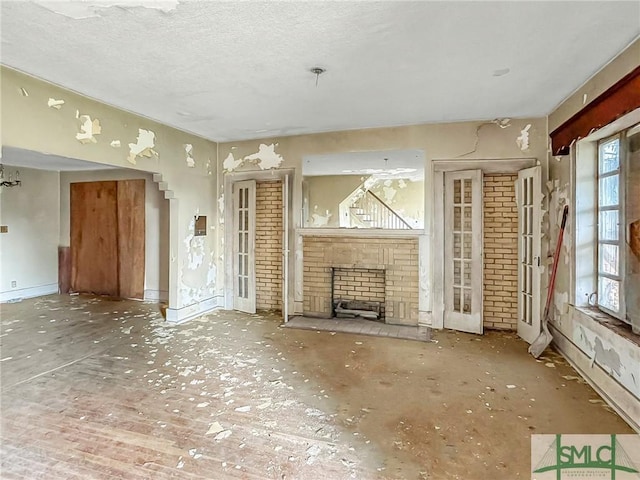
131	238
94	238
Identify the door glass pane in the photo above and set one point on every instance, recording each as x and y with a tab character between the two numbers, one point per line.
466	226
246	198
240	289
457	218
610	156
456	191
609	259
608	225
608	194
457	245
609	293
467	191
240	198
467	245
457	272
466	270
456	299
466	304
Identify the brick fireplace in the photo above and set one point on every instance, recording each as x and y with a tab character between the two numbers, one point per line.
383	269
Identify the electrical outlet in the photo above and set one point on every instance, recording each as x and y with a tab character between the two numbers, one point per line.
14	284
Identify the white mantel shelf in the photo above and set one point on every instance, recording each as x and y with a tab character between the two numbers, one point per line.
359	232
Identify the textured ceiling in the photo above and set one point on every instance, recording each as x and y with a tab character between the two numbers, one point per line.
239	70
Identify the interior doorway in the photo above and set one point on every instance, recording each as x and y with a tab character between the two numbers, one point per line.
488	272
107	245
258	242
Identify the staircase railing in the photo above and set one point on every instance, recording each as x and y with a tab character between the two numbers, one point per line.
373	212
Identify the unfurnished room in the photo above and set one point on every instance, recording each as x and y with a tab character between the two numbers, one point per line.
303	240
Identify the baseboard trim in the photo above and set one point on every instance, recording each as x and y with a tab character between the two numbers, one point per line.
184	314
29	292
618	397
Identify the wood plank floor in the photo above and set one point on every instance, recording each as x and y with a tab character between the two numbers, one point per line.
95	388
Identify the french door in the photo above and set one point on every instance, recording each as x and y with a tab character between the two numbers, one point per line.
244	240
463	251
529	199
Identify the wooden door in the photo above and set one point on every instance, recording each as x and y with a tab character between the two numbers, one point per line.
244	241
463	251
131	238
94	238
108	238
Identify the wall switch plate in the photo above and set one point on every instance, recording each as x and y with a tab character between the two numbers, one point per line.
4	228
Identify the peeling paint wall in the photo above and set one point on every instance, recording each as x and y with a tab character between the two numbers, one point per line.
592	340
465	140
29	123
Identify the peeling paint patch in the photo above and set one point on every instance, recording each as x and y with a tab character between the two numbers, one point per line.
115	144
634	238
318	220
503	122
188	149
266	157
231	163
88	128
221	204
389	194
561	302
143	146
523	140
53	103
89	9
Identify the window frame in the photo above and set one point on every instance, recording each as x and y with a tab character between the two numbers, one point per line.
620	243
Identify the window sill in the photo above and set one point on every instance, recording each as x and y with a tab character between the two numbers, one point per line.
617	326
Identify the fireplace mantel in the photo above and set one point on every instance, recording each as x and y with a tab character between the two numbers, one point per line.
359	232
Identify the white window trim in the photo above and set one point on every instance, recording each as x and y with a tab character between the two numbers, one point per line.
620	208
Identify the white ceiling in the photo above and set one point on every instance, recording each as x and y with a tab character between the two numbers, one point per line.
17	157
240	70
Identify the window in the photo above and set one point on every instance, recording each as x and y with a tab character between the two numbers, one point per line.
610	211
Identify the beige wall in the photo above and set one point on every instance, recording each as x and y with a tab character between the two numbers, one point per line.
405	197
28	123
29	251
324	194
156	278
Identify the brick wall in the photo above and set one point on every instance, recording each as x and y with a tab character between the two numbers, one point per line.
500	252
362	284
269	245
397	256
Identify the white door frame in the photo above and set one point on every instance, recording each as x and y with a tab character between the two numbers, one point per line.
228	181
439	167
